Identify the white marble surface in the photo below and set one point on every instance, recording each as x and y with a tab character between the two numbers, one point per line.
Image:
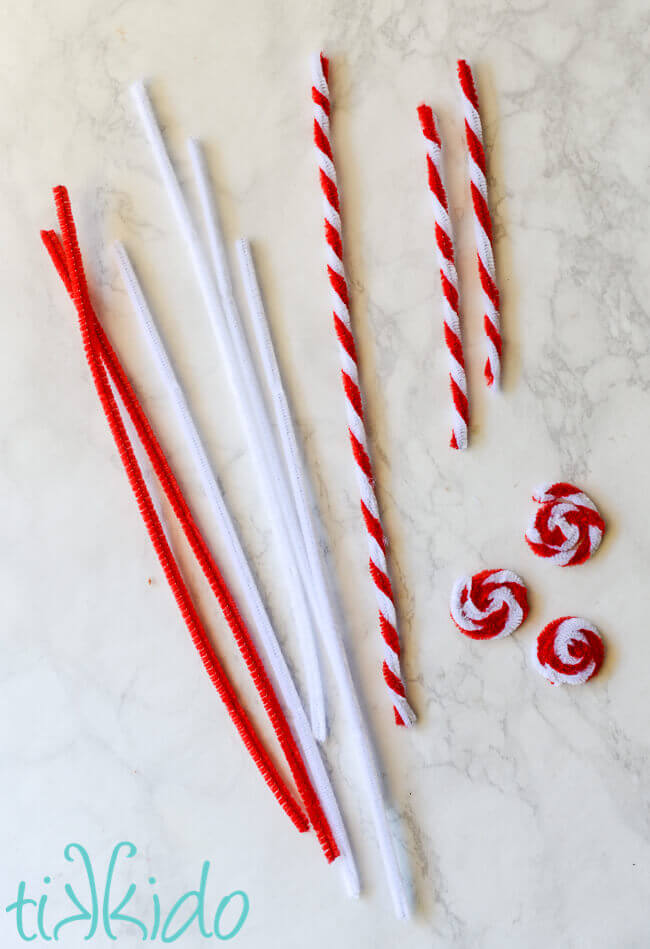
523	808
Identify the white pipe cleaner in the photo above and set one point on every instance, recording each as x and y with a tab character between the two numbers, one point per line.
261	443
329	630
262	625
259	437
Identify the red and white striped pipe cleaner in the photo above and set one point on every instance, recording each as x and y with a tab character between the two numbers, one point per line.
102	359
482	224
404	714
448	278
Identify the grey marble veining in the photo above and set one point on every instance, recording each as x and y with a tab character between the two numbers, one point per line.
522	808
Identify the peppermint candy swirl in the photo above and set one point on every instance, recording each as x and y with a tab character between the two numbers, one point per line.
567	527
569	650
490	605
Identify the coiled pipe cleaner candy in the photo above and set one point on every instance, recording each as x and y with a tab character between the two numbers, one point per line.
567	527
490	605
569	650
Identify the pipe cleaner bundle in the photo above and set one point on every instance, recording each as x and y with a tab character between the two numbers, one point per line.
107	373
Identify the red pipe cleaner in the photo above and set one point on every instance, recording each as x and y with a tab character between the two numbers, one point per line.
101	357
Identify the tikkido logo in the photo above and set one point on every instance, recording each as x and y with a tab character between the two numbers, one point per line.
46	915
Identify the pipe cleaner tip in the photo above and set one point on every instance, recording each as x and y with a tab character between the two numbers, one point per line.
320	65
428	123
466	79
319	730
138	89
406	718
316	64
62	204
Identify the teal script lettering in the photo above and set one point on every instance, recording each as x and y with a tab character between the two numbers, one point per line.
91	911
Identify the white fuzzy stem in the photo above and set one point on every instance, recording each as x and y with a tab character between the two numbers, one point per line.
261	442
258	435
245	579
329	630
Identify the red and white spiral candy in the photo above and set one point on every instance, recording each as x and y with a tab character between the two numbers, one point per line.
482	224
567	527
490	605
569	650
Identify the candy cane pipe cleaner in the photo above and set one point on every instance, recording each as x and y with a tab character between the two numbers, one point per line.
245	577
448	278
569	651
257	438
70	267
489	605
404	715
329	627
261	441
482	224
567	527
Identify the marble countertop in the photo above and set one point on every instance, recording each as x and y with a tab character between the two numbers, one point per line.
522	809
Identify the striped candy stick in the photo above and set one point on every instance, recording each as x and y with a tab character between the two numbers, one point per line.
482	224
392	672
448	278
